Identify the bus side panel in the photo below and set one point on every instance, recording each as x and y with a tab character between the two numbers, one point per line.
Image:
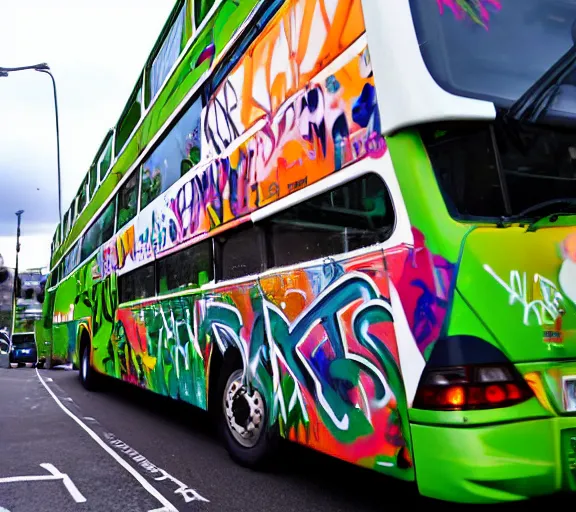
154	346
229	319
331	329
65	322
103	300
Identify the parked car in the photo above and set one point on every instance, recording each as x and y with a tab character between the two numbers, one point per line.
23	348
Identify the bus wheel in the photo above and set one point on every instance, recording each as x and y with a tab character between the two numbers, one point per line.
247	436
88	375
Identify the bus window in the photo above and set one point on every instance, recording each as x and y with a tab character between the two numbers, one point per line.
93	180
354	215
73	211
105	159
174	157
128	200
201	9
99	232
53	281
137	284
129	119
166	57
66	224
464	161
82	196
240	253
57	237
189	267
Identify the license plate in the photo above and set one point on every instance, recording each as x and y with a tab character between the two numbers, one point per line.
569	392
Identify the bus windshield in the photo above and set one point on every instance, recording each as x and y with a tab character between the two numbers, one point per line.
495	49
494	170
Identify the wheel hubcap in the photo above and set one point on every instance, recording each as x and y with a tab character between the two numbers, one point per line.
244	411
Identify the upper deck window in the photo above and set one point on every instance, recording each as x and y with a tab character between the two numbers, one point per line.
201	9
129	120
92	180
174	157
105	159
99	232
492	49
66	223
166	56
82	195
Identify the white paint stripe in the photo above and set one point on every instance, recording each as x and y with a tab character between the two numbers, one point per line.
55	474
28	478
72	489
139	478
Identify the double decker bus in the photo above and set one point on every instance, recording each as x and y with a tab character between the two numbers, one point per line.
349	224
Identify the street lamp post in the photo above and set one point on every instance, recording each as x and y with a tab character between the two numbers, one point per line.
44	68
14	299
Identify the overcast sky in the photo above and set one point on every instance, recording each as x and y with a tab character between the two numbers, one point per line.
96	50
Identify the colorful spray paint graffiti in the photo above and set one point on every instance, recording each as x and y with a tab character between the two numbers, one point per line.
567	275
425	283
285	137
318	344
476	10
325	343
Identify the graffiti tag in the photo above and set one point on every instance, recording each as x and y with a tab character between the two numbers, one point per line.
545	310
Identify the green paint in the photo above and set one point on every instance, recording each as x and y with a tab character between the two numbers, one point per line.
219	31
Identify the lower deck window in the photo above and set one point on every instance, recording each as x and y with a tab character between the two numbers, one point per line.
351	216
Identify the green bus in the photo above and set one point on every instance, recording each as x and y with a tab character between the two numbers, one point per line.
345	223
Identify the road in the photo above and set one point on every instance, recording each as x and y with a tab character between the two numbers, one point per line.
127	450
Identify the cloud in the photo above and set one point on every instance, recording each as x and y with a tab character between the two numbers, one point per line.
96	51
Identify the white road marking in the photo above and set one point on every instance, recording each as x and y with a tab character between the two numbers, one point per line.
158	473
168	507
54	475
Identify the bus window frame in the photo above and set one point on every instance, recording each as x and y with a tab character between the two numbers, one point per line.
136	96
107	146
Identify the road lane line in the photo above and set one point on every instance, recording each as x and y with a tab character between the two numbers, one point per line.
139	478
187	493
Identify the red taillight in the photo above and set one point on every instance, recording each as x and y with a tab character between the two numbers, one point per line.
471	387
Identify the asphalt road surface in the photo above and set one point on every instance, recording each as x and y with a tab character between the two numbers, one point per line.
121	449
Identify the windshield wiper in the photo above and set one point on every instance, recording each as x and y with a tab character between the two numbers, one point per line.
538	98
548	206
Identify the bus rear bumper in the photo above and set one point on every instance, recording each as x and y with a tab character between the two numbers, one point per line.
496	463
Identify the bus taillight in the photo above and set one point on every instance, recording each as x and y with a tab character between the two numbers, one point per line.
471	387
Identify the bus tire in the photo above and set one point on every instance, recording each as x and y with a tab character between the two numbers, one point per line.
244	427
88	376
